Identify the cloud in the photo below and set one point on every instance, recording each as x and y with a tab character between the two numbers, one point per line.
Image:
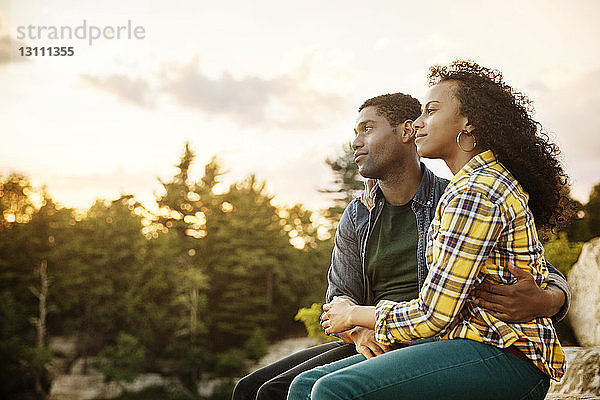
243	99
536	88
287	101
572	110
135	90
569	113
8	50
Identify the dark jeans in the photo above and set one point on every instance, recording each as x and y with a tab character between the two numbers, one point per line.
273	381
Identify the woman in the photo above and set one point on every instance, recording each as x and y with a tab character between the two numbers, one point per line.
505	174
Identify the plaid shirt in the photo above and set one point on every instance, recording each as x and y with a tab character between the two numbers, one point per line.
482	223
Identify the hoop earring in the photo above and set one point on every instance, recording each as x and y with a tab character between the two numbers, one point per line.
468	134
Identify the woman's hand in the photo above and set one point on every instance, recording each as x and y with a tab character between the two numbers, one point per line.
368	194
337	315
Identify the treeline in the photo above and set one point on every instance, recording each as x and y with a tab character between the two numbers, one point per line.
201	285
564	246
207	280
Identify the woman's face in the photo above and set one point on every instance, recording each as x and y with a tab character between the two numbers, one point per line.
440	122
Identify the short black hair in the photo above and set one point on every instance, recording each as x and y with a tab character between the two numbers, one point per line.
395	107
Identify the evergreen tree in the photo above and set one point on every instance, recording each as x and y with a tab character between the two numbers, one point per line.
248	246
185	218
592	211
347	182
185	209
30	224
577	229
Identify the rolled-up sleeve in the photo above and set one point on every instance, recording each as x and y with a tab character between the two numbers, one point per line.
469	227
556	278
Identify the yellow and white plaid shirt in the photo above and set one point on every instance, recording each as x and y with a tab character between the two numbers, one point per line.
481	224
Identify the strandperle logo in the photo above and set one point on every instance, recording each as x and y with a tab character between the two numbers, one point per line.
84	31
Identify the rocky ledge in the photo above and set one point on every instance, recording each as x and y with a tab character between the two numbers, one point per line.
582	378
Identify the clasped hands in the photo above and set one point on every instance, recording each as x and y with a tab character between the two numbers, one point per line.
337	315
521	301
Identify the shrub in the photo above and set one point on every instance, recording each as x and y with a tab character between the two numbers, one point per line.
256	346
122	361
230	363
310	317
562	253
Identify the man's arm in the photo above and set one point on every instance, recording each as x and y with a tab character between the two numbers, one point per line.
345	276
524	301
345	279
557	282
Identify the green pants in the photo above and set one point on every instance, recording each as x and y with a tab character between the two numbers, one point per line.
441	369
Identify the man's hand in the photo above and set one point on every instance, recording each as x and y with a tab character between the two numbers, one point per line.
364	341
522	301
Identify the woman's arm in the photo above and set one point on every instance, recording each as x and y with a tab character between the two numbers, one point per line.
469	228
342	314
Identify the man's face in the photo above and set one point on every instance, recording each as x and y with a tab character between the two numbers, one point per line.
377	147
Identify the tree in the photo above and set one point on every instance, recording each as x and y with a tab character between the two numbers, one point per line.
577	227
265	263
584	223
347	182
123	360
42	355
592	211
98	267
30	223
16	200
184	220
207	280
247	247
562	253
185	208
303	280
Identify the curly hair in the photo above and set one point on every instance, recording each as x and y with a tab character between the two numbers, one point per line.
502	121
395	107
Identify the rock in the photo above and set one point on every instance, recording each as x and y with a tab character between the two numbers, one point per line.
58	366
64	346
84	382
83	387
146	381
582	378
283	348
207	387
275	352
92	386
584	280
83	366
168	366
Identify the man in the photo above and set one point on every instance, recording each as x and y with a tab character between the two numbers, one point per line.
379	249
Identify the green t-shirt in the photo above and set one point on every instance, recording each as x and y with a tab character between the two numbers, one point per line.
392	254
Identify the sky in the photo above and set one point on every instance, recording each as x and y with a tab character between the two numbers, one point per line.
270	87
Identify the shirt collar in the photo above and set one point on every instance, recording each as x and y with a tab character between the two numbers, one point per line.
424	194
481	160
